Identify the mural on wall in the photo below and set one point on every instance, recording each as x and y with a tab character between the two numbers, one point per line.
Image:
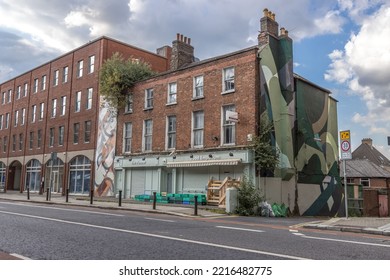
305	130
105	151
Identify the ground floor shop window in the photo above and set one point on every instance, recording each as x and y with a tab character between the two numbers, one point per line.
33	175
2	175
80	175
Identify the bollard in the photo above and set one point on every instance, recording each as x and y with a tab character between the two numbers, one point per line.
154	200
67	194
91	202
28	193
120	198
196	205
47	194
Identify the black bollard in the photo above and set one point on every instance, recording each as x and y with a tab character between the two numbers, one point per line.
196	205
67	194
91	202
120	198
154	200
28	193
47	194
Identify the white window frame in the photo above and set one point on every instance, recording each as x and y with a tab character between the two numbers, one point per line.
65	74
6	120
18	92
43	83
25	90
63	105
54	108
172	93
61	133
23	120
87	131
56	77
226	125
9	95
1	121
198	90
77	105
80	68
91	64
197	128
149	98
33	113
41	111
147	139
89	98
36	85
171	128
228	81
16	122
129	103
127	137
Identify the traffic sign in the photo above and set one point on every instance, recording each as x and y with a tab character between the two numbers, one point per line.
345	145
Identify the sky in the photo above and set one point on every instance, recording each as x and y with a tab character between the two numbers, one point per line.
341	45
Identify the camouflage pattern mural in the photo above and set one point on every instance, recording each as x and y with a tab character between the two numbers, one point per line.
305	130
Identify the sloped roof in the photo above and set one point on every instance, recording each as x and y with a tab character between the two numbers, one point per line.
366	151
363	168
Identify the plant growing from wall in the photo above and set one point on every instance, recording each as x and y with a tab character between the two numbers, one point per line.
118	76
266	155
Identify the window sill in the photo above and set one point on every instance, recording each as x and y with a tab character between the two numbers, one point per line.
197	98
148	108
170	104
228	91
128	112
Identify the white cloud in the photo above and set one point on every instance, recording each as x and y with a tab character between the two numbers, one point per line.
364	66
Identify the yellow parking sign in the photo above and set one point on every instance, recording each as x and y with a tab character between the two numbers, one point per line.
345	135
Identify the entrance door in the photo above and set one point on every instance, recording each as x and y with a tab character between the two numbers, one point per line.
383	205
56	187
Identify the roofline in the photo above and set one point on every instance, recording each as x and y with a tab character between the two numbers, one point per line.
311	83
78	48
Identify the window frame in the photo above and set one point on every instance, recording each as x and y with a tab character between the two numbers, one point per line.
147	143
196	88
172	95
149	93
228	83
127	137
171	132
197	129
228	127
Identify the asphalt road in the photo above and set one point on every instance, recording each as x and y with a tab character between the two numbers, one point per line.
59	233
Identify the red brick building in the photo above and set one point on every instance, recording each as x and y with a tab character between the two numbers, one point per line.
49	120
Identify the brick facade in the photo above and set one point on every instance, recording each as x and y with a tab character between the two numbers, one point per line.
16	153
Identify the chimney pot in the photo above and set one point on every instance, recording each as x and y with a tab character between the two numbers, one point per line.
273	16
269	14
189	41
265	12
178	36
282	31
185	39
181	37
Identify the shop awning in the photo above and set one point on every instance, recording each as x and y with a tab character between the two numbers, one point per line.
197	163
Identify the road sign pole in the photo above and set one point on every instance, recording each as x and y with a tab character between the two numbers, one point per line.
345	190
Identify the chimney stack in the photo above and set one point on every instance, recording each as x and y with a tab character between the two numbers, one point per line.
268	26
367	141
182	52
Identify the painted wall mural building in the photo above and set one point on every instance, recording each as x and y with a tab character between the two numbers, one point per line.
193	122
179	134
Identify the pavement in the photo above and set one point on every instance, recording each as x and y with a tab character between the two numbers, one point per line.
367	225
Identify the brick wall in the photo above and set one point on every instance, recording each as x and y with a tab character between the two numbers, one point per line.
244	98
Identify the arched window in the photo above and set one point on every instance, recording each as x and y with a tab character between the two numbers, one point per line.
33	175
80	175
3	169
54	174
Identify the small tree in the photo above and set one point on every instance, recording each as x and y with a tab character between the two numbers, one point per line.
248	198
266	155
118	76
